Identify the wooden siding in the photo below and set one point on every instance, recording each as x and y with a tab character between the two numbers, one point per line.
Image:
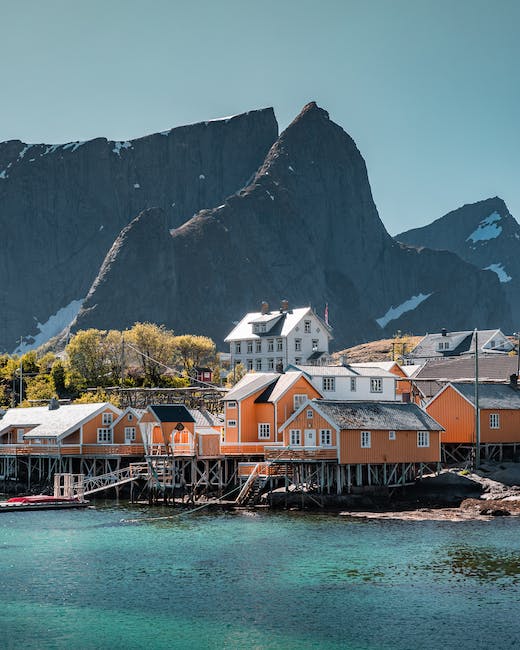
509	430
301	422
403	449
90	428
455	414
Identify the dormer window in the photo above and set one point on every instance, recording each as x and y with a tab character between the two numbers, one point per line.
444	345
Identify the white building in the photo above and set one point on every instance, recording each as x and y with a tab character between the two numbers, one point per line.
353	384
269	340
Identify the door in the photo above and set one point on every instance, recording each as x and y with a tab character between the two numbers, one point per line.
310	438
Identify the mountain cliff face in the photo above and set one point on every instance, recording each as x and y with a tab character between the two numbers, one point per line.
484	234
62	206
306	229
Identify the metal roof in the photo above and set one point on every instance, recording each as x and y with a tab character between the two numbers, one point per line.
273	392
490	367
491	396
203	418
249	384
343	371
286	322
171	413
392	416
463	342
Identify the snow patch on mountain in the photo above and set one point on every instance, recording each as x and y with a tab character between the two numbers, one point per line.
500	271
407	305
73	145
487	229
51	327
121	145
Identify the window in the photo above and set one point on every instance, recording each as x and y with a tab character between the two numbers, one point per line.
232	423
130	417
258	347
258	364
238	348
494	421
444	345
107	418
329	383
307	326
376	385
232	405
270	364
298	345
104	435
298	361
492	343
423	438
249	364
295	437
353	384
391	435
298	400
314	345
279	345
310	414
19	435
270	345
129	434
325	437
250	347
365	439
264	430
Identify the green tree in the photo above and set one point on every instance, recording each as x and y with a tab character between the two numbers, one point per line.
151	347
86	360
192	351
40	387
57	374
235	374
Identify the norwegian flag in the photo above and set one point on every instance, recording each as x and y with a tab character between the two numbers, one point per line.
327	313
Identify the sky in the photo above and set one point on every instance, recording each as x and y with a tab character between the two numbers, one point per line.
428	89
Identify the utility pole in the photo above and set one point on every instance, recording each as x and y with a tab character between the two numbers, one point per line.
21	373
122	359
477	410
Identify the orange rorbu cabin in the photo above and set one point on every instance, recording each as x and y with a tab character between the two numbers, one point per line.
257	406
164	426
365	443
499	416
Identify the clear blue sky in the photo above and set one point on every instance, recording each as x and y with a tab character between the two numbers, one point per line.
429	89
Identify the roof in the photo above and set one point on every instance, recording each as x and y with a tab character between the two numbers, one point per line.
463	341
394	416
286	321
384	365
249	384
490	367
490	396
274	391
56	423
203	418
342	371
171	413
411	369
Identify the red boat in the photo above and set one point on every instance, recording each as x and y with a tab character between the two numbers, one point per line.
41	502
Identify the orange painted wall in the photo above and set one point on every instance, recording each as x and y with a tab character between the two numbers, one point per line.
119	429
285	406
509	430
90	428
231	433
302	422
208	444
455	414
403	449
168	429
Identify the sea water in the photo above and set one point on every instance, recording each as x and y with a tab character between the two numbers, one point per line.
122	577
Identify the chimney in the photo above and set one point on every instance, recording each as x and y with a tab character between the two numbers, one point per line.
444	331
264	307
343	359
284	306
513	380
54	404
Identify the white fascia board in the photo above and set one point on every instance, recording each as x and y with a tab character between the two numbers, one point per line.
312	403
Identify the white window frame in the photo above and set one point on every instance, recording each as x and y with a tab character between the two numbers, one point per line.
297	345
104	436
423	438
391	435
231	423
299	399
307	326
494	420
376	385
231	404
107	419
130	434
264	431
238	347
249	347
279	345
19	435
258	347
329	384
249	364
326	437
295	437
258	365
315	344
270	364
353	386
270	345
310	414
130	417
366	440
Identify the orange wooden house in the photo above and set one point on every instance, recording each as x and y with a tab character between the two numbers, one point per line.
385	443
257	406
499	415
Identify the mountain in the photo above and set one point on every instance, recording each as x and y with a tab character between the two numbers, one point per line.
484	234
62	207
305	229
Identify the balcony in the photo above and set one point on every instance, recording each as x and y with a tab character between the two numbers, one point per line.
283	454
129	450
243	448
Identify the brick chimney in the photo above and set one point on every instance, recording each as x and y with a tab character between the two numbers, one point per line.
284	306
264	307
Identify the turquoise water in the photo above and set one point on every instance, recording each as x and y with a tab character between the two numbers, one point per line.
88	579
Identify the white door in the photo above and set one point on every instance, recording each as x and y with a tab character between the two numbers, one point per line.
310	437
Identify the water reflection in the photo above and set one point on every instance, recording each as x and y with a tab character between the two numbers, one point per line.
486	564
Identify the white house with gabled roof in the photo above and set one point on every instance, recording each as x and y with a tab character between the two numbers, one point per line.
266	340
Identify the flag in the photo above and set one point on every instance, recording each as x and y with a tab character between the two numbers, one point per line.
327	313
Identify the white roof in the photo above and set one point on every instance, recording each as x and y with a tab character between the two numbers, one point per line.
249	384
374	371
326	371
384	365
288	321
57	423
412	369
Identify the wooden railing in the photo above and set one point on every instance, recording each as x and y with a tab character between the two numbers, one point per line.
71	450
242	449
282	454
